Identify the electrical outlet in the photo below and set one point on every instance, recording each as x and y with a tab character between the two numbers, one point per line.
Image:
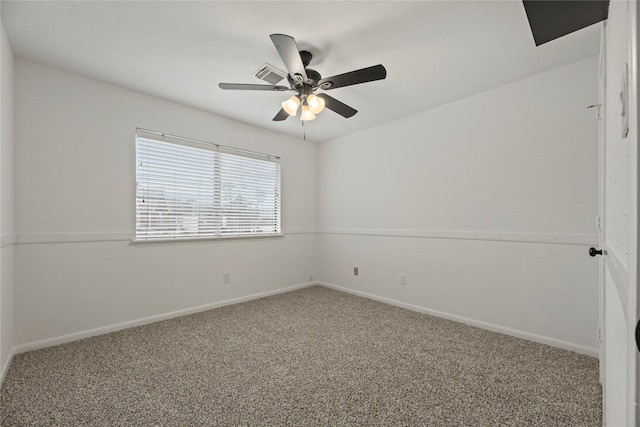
355	271
226	278
311	277
403	279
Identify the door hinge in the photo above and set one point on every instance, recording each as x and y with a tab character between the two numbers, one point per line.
597	107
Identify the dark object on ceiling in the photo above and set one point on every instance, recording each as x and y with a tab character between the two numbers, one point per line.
304	82
550	20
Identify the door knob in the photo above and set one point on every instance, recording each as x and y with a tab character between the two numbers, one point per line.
594	252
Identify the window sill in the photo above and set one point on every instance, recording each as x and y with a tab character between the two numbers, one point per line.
191	240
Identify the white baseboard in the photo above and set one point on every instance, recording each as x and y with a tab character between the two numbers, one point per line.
50	342
479	324
143	321
5	368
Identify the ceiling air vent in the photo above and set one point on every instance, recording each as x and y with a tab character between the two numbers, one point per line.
270	74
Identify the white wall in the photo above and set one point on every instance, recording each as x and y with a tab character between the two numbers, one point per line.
6	203
75	208
487	204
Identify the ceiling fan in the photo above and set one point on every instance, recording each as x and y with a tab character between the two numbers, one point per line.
305	82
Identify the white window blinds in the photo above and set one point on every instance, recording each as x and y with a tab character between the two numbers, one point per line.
187	189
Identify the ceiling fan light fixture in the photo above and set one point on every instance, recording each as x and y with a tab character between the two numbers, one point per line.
304	82
306	113
316	104
291	105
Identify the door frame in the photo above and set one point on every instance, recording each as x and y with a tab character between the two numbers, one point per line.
633	411
601	118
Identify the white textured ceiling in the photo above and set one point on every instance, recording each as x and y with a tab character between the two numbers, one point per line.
434	51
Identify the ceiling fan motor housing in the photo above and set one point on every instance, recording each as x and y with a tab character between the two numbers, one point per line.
297	81
313	77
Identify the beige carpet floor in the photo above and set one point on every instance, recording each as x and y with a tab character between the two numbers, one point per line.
312	357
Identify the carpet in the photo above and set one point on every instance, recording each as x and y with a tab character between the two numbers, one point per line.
311	357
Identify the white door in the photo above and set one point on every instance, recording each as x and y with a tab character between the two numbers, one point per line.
619	215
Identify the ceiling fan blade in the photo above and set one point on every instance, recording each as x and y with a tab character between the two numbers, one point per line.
364	75
240	86
288	50
339	107
282	115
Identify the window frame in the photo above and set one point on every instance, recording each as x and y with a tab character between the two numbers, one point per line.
182	141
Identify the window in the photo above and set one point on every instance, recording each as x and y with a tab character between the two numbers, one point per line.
188	189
